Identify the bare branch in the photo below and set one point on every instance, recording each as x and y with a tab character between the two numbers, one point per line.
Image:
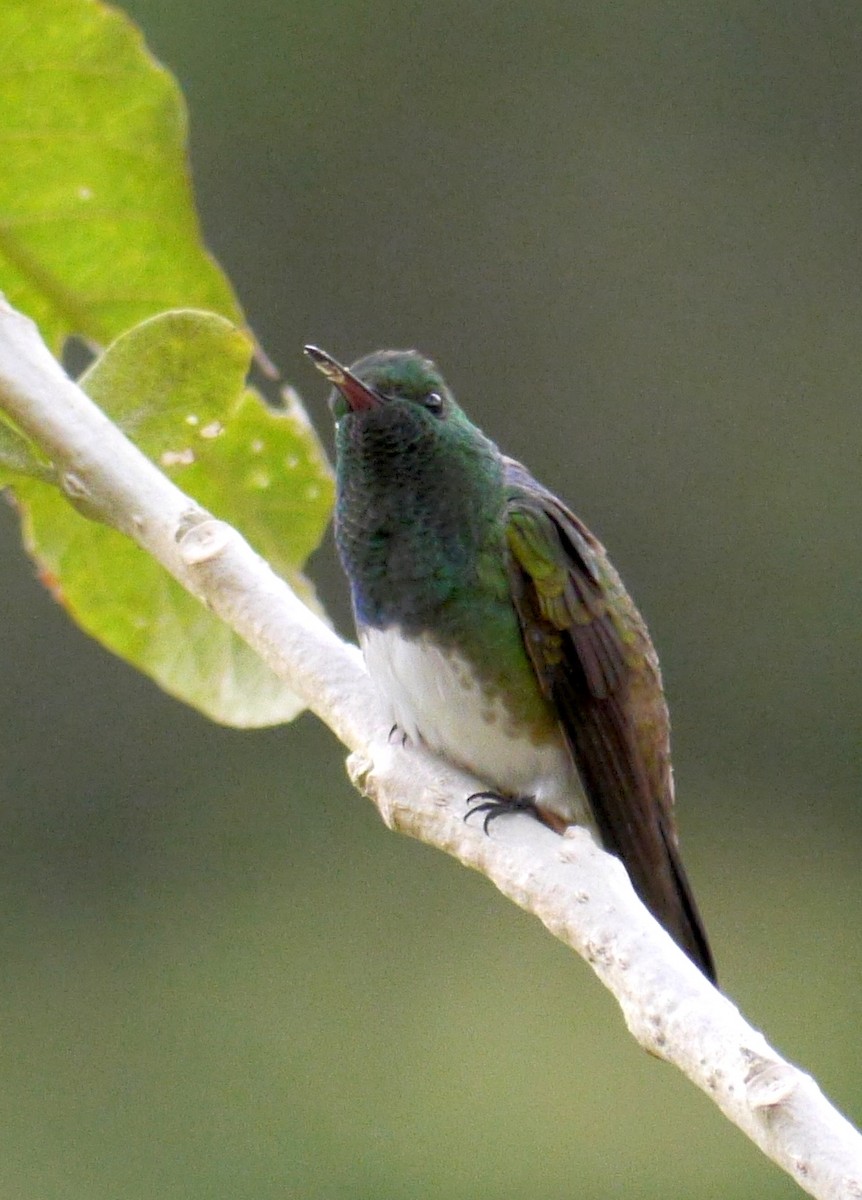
579	892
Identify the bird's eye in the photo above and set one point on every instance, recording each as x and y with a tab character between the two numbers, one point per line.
434	403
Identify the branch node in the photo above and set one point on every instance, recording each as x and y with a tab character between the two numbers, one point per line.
203	541
74	486
769	1084
188	521
363	776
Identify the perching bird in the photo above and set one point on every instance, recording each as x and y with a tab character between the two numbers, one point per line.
496	628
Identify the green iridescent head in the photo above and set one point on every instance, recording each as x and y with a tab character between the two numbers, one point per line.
383	377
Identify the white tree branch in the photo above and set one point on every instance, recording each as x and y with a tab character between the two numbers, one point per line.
579	892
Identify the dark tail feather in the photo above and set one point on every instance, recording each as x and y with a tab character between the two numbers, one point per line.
687	929
630	817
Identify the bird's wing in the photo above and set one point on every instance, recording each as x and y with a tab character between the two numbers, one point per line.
595	662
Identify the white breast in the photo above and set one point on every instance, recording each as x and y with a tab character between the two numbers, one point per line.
434	698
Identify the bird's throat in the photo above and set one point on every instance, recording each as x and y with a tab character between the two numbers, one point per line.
415	528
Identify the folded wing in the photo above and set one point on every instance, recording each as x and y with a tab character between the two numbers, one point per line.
594	659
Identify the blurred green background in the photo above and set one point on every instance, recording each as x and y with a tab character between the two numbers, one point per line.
630	234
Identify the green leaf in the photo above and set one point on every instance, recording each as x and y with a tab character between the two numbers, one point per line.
97	224
176	384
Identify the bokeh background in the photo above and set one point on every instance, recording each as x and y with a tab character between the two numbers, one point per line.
631	235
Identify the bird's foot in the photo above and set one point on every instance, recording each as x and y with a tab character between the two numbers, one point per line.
494	805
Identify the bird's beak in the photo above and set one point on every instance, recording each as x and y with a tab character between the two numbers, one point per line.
358	396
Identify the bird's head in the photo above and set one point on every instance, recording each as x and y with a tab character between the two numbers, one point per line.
401	381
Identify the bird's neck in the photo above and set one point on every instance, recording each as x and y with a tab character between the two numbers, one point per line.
420	532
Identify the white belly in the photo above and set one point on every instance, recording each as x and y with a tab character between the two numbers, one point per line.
434	698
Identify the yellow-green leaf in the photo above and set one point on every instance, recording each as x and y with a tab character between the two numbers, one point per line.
18	456
97	224
176	384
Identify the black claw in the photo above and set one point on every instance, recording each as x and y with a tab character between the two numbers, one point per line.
496	805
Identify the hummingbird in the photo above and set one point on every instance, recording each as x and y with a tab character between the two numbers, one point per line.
496	629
